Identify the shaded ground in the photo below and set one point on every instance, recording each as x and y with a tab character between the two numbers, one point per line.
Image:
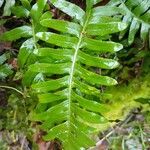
132	134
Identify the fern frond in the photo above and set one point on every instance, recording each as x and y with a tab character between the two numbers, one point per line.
70	114
26	55
137	17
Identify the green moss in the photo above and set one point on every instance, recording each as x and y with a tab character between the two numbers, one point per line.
125	98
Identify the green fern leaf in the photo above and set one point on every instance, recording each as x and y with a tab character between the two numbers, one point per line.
137	17
7	8
26	55
68	113
17	33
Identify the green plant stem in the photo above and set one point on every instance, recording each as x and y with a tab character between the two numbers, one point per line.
123	144
12	88
77	48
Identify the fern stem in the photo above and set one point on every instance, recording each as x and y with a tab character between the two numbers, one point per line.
73	67
12	88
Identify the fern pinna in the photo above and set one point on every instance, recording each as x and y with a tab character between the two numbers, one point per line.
67	110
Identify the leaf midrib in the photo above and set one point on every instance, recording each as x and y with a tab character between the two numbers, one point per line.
73	69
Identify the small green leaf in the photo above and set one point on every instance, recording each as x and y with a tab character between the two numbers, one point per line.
63	26
105	28
64	41
51	114
90	117
28	78
54	132
143	100
51	97
95	79
20	11
102	46
89	104
133	30
50	68
70	9
103	19
17	33
85	88
90	3
46	15
97	61
7	8
146	17
86	140
144	32
107	11
126	19
26	4
61	54
50	85
37	9
25	50
47	125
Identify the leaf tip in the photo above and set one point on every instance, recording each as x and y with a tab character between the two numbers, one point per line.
122	26
118	47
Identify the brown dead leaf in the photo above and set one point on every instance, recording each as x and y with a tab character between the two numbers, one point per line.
14	63
4	45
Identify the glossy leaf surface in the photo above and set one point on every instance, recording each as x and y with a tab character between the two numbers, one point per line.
17	33
67	66
137	16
